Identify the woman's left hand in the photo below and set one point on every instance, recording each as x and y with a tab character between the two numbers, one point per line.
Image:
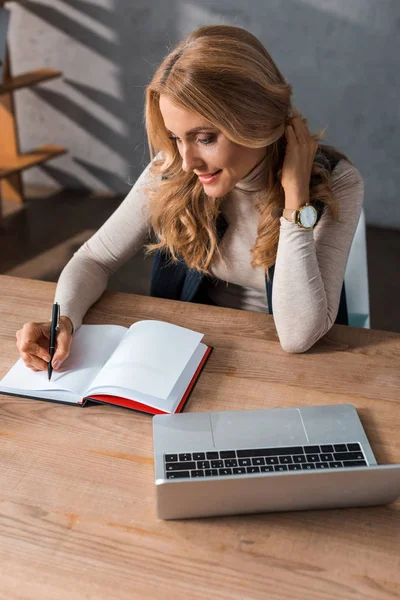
298	162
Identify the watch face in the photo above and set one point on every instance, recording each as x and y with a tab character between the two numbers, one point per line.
308	217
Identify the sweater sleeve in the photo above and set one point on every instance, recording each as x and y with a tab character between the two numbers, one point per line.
310	266
86	275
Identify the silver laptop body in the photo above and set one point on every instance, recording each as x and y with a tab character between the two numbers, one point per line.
279	459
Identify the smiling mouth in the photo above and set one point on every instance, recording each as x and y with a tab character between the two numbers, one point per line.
208	177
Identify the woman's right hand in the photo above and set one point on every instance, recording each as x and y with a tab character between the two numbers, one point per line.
33	344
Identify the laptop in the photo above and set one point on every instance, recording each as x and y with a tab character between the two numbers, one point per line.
279	459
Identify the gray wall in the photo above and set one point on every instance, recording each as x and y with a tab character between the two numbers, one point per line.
342	57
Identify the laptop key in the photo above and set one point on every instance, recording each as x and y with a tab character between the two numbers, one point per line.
294	467
271	460
239	471
230	462
253	469
258	461
185	456
227	454
313	458
280	468
353	447
197	473
348	456
179	466
216	464
212	455
311	449
244	462
307	466
326	457
354	463
335	464
340	447
199	456
171	458
284	460
211	472
266	469
203	464
299	459
322	465
225	471
178	474
327	448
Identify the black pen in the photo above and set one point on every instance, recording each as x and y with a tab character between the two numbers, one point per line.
55	320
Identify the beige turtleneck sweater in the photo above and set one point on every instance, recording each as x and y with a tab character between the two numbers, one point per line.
309	269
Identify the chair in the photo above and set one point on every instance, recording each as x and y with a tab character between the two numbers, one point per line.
356	279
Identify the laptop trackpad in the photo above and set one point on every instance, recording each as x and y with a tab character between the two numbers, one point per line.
257	428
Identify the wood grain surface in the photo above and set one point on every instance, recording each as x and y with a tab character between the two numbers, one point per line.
77	502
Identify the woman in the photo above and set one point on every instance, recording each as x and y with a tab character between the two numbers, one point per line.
238	196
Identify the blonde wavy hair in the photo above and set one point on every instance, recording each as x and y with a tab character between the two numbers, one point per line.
224	74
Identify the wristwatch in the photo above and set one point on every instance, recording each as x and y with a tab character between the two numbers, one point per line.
305	216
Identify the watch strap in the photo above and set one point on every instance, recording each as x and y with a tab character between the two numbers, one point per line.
290	214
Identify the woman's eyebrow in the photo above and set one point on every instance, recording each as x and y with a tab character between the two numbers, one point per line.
195	130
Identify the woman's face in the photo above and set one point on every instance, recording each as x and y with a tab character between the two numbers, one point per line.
219	163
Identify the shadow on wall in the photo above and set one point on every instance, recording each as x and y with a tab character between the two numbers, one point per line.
123	36
338	57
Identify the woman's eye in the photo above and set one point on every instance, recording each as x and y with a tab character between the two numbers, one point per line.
208	140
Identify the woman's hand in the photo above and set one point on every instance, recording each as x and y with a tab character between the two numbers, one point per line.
298	162
33	344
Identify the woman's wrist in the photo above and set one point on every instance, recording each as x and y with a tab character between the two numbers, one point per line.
295	200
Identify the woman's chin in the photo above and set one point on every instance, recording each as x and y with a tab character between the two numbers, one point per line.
217	191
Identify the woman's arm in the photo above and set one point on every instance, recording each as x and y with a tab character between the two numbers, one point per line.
310	266
85	276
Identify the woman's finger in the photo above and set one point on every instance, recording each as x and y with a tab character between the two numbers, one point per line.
300	130
33	339
64	340
290	135
34	362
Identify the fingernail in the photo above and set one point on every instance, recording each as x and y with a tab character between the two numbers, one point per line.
56	364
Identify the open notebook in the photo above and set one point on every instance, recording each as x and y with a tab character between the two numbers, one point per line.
152	367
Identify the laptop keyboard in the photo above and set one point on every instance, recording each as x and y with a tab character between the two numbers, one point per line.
263	460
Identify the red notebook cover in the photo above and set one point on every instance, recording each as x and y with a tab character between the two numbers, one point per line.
125	402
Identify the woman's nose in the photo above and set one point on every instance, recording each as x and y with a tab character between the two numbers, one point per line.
189	159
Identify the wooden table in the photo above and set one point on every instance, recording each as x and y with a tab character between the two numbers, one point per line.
77	506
